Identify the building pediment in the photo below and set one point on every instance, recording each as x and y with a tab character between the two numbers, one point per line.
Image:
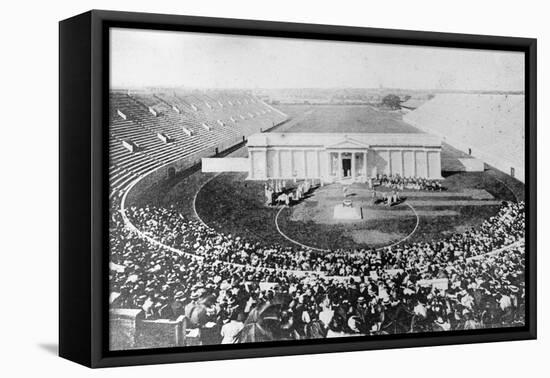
347	143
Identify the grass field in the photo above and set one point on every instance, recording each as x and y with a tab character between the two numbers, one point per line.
342	119
230	204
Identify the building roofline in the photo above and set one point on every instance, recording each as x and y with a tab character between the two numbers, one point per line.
333	139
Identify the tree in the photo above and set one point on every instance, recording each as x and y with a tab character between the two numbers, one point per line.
392	101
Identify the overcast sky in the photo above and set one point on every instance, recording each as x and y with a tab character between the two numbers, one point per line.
160	58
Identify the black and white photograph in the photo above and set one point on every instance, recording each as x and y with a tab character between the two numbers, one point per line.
268	189
275	188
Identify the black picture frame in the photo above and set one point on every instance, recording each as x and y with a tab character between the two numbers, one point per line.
83	196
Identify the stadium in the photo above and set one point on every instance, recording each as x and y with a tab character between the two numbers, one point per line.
420	229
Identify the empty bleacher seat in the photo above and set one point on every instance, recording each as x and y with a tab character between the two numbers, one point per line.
164	138
187	131
130	146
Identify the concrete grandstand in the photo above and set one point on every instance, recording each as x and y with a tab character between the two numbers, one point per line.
149	130
488	126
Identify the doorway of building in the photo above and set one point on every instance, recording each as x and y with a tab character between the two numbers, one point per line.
346	166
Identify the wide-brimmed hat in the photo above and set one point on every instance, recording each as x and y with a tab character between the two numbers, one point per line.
513	288
179	294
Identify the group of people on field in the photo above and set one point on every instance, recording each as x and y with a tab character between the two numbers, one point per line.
398	182
278	193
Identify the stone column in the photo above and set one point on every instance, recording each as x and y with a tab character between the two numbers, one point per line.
353	166
438	164
251	162
277	170
365	167
318	155
340	168
415	172
402	164
329	166
427	164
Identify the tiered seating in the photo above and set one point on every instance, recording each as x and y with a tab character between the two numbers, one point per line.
190	120
491	124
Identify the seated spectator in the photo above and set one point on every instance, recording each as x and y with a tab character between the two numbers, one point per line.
231	329
217	280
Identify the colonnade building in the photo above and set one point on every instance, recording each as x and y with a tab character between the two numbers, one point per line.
332	157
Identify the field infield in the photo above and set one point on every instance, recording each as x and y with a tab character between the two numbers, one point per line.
343	119
233	205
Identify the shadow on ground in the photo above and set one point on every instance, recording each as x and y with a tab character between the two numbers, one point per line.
51	348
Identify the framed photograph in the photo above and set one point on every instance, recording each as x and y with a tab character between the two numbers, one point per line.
235	188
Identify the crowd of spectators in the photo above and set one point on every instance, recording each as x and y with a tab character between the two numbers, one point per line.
235	290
